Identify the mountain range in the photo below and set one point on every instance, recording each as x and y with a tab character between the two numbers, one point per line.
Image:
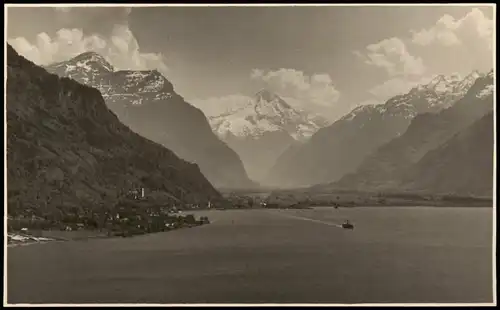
146	102
387	166
79	131
339	149
261	128
66	149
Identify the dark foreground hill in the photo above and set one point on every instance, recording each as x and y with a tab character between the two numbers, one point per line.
65	148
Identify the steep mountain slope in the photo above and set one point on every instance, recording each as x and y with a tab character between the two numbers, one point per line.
384	167
462	166
339	149
147	103
260	129
65	148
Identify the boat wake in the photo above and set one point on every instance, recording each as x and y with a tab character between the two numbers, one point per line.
308	219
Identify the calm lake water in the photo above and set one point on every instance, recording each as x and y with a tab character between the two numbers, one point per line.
394	255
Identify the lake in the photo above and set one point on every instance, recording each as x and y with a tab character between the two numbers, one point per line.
394	255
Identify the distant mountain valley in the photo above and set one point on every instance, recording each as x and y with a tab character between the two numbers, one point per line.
261	128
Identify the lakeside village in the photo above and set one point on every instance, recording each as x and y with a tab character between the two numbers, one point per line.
134	215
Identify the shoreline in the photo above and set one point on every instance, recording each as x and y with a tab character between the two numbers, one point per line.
15	245
413	206
77	239
21	239
384	206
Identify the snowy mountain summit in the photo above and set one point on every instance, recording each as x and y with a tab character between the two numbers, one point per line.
263	113
438	94
133	86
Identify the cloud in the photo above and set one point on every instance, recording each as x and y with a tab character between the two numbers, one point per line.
473	28
119	45
392	56
316	90
125	52
66	44
404	70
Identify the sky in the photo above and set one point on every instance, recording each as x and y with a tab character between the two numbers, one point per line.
326	60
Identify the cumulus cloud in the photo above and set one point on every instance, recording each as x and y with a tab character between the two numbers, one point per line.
125	53
119	45
473	28
65	44
404	70
316	90
393	56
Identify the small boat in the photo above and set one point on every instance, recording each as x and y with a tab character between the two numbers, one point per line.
347	225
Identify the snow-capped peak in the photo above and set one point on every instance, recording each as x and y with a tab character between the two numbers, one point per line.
486	91
469	80
441	92
264	112
443	84
95	59
359	109
474	75
270	105
452	84
486	86
265	95
146	81
129	86
87	62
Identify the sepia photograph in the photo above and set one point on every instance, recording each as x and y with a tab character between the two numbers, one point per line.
250	154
